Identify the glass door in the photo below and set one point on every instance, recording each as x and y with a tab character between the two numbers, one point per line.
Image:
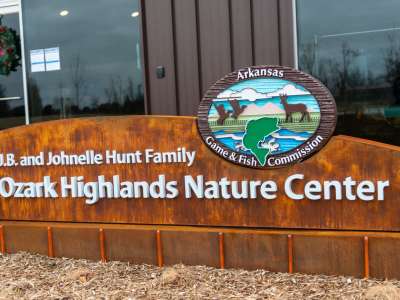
12	96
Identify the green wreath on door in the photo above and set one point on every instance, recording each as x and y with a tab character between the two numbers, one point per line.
10	51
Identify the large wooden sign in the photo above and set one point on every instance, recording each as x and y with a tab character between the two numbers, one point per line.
158	170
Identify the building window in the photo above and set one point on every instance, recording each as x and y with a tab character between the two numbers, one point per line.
353	47
82	58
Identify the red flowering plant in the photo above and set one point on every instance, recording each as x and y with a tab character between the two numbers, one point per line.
10	51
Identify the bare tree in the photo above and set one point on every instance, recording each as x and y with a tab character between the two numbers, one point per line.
307	58
341	74
79	82
115	91
344	69
392	65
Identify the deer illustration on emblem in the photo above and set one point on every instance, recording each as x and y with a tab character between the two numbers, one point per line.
290	109
237	108
222	113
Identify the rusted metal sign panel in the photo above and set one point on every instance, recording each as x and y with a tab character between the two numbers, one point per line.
157	170
354	253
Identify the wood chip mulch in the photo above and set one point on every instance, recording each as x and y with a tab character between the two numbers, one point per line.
26	276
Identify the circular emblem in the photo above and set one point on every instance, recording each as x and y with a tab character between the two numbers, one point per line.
267	116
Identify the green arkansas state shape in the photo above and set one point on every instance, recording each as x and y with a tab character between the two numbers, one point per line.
267	116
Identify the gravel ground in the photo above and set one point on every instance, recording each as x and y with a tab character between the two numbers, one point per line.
26	276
